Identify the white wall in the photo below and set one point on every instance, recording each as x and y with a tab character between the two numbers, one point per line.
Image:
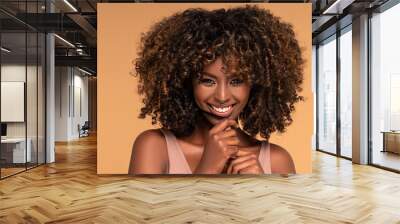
71	102
80	110
61	103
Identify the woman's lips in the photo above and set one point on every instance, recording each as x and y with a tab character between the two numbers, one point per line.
221	111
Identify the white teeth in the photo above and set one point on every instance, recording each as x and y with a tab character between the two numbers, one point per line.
221	109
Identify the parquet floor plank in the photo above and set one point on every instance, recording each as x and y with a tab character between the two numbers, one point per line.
70	191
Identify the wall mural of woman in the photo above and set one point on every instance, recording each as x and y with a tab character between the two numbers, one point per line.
218	84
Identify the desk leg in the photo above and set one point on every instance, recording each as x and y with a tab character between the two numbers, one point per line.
384	142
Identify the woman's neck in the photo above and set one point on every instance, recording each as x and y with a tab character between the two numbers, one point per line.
200	133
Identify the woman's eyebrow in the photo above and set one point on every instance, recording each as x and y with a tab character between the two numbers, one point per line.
214	76
209	74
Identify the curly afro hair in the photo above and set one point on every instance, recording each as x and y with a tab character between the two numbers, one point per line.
263	49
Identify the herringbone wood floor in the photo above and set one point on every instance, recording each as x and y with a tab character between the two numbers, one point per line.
70	191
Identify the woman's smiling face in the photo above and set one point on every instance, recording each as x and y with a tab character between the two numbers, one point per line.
220	94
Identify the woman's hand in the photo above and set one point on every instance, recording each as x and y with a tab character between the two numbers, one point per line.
222	144
245	163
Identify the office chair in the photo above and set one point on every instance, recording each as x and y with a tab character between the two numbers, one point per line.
84	130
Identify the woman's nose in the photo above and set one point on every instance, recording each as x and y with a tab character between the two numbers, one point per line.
222	94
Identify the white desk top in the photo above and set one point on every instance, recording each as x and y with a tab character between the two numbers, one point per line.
13	140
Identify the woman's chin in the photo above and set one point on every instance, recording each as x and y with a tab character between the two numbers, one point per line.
214	120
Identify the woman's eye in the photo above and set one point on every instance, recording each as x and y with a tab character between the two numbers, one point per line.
236	82
207	82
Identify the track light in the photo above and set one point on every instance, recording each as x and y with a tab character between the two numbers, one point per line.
64	40
70	5
84	71
5	50
337	7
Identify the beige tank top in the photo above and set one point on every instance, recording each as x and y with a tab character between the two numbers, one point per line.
177	163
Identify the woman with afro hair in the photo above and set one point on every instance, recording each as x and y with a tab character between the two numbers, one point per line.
213	81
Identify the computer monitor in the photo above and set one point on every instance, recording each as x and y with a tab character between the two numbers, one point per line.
3	129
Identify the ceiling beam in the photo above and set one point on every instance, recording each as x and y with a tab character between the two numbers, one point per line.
84	24
84	61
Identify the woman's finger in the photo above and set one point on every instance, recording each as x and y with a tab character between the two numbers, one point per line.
255	169
242	158
245	164
232	141
230	168
222	126
238	161
243	152
228	133
233	151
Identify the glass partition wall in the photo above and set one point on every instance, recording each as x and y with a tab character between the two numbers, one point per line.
334	93
13	91
22	88
385	89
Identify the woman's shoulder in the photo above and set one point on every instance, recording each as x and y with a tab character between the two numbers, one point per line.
154	134
149	153
281	161
153	139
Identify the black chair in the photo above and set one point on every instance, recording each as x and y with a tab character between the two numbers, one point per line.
84	130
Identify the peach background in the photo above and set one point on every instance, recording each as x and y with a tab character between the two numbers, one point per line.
119	29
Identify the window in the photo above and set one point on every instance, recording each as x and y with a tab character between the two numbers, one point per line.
385	89
346	92
327	95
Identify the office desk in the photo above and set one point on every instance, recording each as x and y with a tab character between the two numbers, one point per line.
13	150
391	141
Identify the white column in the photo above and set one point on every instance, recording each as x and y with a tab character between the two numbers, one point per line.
360	90
50	92
50	99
